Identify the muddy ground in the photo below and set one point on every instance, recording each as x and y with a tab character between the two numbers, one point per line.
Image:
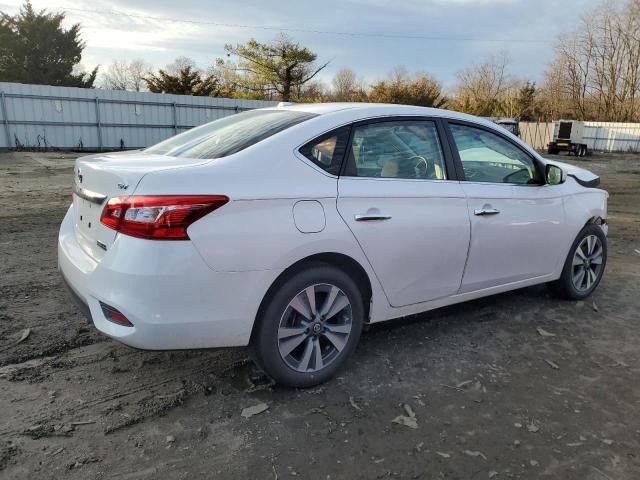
493	397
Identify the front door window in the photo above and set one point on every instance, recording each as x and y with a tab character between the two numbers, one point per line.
487	157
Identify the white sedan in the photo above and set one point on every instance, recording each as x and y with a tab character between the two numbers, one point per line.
289	228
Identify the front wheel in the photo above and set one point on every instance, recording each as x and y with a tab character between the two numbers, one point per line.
309	327
584	266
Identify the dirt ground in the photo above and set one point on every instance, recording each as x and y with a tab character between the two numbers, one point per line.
493	395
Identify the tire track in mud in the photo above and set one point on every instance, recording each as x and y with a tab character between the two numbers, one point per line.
56	326
112	402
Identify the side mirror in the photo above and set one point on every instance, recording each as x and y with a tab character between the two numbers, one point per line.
554	175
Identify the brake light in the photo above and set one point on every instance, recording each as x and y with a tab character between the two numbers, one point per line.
159	217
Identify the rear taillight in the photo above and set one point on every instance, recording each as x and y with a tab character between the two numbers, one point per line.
160	217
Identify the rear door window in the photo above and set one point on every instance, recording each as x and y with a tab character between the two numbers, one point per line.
229	135
408	149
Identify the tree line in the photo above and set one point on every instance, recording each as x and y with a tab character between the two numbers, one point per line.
595	73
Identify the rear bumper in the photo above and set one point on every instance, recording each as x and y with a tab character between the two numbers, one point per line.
564	145
172	297
77	299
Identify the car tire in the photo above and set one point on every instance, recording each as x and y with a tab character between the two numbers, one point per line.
315	335
576	282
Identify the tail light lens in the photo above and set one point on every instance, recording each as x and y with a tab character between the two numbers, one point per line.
114	315
159	217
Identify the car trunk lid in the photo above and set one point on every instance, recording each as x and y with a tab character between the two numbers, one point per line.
97	178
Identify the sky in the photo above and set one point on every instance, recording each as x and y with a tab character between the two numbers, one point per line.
372	37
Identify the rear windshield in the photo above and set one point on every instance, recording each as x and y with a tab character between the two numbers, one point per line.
230	134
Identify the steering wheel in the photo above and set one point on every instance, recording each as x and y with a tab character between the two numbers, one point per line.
520	171
420	166
471	174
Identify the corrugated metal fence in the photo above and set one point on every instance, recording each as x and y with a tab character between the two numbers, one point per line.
612	137
599	136
40	116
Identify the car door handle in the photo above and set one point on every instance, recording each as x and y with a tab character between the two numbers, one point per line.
486	211
370	217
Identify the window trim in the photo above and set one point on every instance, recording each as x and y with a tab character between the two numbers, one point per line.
449	164
458	162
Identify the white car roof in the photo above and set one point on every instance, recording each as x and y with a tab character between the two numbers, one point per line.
366	110
347	112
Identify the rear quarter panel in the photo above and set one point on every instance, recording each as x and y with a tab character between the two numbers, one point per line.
262	235
256	230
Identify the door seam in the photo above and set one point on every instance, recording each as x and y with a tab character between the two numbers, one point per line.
466	260
361	248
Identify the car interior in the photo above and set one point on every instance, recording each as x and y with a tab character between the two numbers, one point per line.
412	150
486	157
408	150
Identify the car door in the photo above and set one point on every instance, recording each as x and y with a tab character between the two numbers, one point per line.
516	220
410	218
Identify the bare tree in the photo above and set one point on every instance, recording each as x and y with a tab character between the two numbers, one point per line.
346	86
315	91
631	74
138	70
596	71
483	89
121	75
182	63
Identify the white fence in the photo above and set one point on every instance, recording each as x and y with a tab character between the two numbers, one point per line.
40	116
612	137
536	134
599	136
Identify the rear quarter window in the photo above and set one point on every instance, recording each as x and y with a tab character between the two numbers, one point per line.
229	135
327	151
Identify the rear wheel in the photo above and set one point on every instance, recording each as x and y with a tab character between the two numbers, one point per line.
584	266
309	327
583	150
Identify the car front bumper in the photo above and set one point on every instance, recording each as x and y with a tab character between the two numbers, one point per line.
171	296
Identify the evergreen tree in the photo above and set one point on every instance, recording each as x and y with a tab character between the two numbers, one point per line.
420	89
281	67
35	48
526	101
186	81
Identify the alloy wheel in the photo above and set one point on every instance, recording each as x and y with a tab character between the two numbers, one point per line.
315	327
587	263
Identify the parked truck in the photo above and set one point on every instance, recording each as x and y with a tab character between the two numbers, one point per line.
568	137
510	124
